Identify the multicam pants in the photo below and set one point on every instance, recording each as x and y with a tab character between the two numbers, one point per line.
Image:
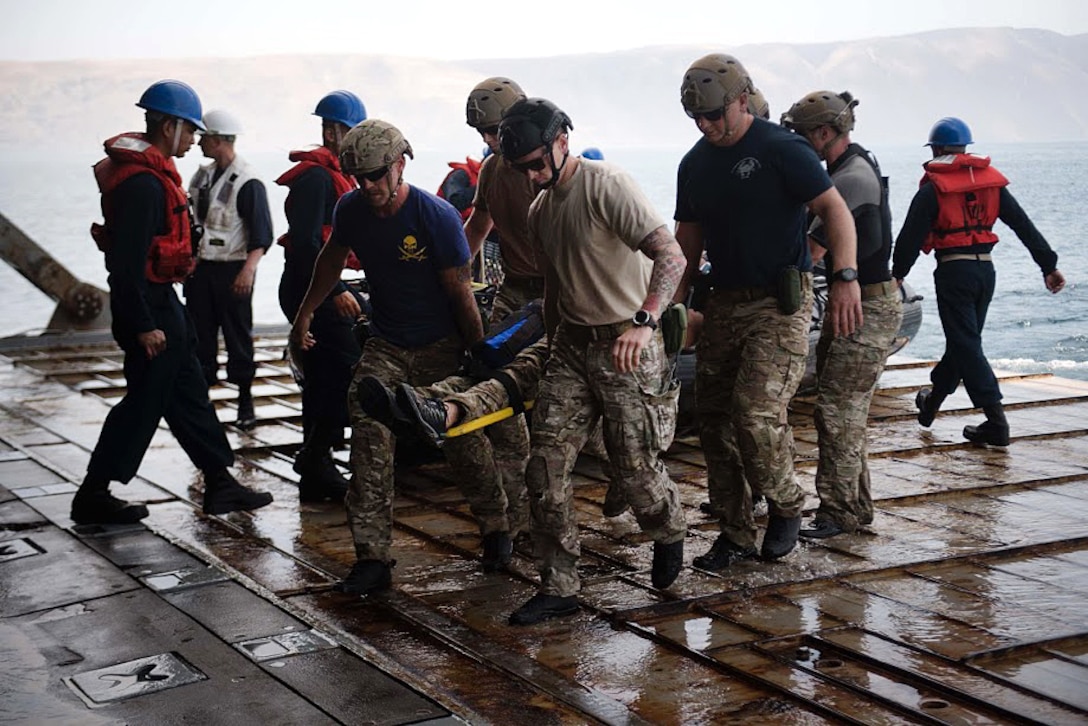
369	500
749	362
639	414
847	370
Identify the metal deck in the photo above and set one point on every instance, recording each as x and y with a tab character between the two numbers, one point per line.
965	602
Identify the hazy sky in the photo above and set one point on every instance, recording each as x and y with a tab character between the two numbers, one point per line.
455	29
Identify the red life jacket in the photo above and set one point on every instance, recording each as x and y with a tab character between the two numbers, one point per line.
305	160
470	167
968	200
170	257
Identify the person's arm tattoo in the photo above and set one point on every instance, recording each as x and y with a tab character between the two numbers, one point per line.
669	264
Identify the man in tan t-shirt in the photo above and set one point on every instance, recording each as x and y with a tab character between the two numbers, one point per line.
612	268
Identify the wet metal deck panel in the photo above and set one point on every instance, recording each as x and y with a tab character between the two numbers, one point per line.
966	601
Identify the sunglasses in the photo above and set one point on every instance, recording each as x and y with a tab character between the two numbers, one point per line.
536	164
490	131
373	176
711	116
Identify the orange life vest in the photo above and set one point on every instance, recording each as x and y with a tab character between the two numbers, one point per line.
968	200
471	167
305	160
170	257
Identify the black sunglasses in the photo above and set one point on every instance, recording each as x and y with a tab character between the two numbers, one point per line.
711	116
490	131
536	164
373	176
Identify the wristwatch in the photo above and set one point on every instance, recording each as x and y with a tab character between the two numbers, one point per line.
643	319
846	274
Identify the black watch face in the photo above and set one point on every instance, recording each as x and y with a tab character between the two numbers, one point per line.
846	274
642	318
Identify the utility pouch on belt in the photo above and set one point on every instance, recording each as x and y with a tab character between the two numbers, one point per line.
674	326
789	290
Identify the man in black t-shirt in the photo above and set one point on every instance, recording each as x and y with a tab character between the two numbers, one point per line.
742	193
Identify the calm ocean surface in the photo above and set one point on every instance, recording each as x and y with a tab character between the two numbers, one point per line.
54	200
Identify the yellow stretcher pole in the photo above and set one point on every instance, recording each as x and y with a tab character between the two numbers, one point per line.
485	420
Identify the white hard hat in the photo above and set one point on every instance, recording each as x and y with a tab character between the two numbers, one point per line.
221	123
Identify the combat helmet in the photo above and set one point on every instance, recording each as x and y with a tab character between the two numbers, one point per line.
371	145
757	104
822	108
529	124
489	99
712	83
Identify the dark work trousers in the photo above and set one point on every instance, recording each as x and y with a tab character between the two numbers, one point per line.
326	369
169	386
964	290
214	307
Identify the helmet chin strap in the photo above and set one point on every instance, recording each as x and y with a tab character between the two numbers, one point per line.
556	170
177	137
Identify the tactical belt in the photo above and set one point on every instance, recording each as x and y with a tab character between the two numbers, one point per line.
878	289
983	257
586	334
744	294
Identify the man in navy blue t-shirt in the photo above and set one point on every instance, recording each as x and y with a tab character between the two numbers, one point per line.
742	194
412	248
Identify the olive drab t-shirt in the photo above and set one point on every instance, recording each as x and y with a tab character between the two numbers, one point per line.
590	229
505	194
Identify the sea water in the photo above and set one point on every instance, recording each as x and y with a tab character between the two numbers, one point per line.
52	197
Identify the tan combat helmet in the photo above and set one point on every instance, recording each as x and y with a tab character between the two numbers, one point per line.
757	104
489	99
712	83
822	108
371	145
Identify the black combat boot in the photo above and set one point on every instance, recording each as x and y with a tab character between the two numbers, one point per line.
247	419
223	494
993	431
498	551
366	576
781	536
722	554
615	500
668	561
93	504
928	404
543	607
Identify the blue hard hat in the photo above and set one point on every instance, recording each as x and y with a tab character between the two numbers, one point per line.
592	153
949	131
173	98
341	106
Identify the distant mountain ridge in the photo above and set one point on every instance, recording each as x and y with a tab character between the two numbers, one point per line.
1008	84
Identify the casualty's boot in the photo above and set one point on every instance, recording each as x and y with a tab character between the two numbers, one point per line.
498	551
93	504
428	415
928	404
367	576
378	402
781	536
993	431
246	419
223	494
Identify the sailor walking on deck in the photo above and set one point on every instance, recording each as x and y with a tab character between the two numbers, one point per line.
232	206
952	215
147	242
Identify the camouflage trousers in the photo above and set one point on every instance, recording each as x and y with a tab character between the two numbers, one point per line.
639	418
369	500
848	370
750	359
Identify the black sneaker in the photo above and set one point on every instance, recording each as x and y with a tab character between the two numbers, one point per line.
366	576
223	494
987	432
781	536
377	401
722	554
821	529
101	507
427	414
544	607
498	550
246	419
668	561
